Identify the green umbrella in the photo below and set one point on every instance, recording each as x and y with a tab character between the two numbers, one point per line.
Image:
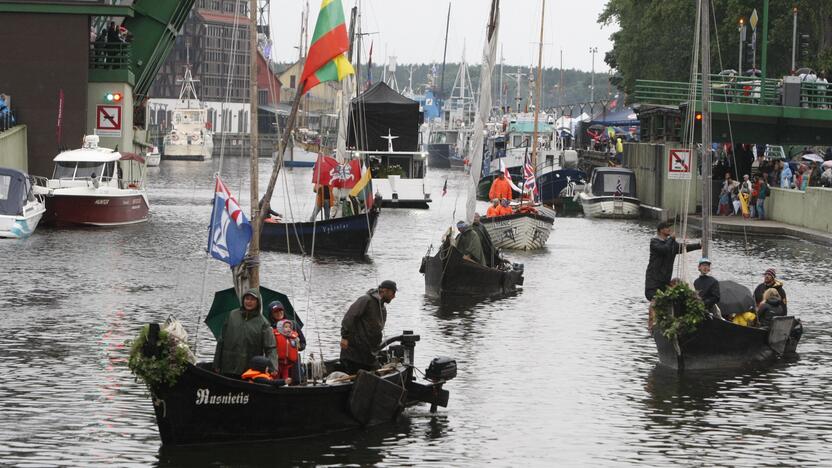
226	300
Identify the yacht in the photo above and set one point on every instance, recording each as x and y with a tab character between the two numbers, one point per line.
190	137
20	208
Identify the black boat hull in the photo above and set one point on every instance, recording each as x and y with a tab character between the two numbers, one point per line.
204	408
455	276
719	344
348	236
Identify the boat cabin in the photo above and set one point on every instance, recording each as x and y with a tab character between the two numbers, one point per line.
407	165
613	181
102	166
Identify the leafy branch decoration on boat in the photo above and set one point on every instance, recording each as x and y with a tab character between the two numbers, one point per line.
691	310
158	364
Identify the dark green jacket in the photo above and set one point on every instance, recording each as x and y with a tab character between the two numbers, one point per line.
488	250
468	243
245	334
363	327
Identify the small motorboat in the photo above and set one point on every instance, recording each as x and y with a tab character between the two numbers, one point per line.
153	157
611	193
97	187
20	208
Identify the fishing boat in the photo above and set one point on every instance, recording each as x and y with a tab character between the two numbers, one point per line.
189	138
384	130
347	236
714	342
96	186
447	273
20	208
611	193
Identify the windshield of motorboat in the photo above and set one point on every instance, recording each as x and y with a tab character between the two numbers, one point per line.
5	185
188	117
614	183
408	167
69	170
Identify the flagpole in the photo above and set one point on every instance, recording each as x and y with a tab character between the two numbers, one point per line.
256	214
537	103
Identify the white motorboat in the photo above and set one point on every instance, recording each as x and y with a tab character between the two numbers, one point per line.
96	186
190	138
152	157
611	193
20	207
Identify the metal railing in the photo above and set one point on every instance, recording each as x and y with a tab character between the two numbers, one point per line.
724	88
109	55
815	95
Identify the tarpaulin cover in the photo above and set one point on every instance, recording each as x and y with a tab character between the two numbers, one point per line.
14	191
614	181
381	109
624	117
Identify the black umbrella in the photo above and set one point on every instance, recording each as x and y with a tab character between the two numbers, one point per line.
804	71
734	298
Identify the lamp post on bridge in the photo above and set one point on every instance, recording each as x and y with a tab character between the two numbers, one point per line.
593	51
741	29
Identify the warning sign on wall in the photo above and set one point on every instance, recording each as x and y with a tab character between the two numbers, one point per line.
679	164
108	120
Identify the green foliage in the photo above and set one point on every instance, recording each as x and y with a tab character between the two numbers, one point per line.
655	37
161	370
393	169
689	310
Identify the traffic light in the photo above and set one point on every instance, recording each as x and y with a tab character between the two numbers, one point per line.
750	51
804	46
113	97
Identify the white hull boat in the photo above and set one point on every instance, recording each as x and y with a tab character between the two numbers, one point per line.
609	206
153	158
190	138
611	193
20	208
519	231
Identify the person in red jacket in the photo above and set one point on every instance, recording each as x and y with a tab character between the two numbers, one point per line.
260	371
500	188
287	347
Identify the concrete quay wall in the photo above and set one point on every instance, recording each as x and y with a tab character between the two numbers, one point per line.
660	185
13	149
811	209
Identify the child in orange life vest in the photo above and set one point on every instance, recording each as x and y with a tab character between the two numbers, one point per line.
504	209
260	371
287	347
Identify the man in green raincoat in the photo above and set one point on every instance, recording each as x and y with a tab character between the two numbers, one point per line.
246	334
469	244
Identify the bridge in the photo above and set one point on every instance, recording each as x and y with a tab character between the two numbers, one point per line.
752	109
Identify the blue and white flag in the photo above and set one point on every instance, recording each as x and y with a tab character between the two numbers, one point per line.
230	231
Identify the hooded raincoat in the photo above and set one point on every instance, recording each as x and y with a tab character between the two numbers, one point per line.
245	334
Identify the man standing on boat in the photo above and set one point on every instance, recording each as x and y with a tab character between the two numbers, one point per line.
362	328
245	334
663	251
707	286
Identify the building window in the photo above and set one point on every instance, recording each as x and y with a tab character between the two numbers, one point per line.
292	81
262	96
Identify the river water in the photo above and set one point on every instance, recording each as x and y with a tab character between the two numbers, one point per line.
563	373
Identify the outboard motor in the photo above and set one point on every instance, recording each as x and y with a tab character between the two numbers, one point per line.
441	368
517	266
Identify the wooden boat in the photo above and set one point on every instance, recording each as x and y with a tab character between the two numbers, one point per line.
722	344
204	407
348	236
522	230
447	273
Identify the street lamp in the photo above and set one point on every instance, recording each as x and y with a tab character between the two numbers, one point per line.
741	29
593	51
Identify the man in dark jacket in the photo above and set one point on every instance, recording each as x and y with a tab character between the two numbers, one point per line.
489	253
245	334
707	286
770	281
663	251
362	328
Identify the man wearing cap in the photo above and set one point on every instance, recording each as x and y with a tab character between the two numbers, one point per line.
362	328
245	334
663	251
469	244
707	286
770	281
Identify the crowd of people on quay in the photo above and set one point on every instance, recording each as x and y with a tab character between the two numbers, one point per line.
769	295
762	168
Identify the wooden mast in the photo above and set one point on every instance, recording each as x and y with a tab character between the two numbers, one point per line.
257	219
707	154
537	90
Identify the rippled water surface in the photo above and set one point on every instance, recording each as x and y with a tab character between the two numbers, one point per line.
563	373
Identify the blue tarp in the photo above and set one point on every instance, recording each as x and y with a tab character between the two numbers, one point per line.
623	117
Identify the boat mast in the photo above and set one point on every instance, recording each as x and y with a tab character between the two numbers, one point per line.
444	56
707	155
537	86
254	246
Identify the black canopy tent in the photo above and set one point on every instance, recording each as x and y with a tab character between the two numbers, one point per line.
380	110
15	188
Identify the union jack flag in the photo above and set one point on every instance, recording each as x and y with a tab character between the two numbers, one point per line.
529	179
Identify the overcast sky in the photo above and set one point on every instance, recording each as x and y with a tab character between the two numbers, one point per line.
414	30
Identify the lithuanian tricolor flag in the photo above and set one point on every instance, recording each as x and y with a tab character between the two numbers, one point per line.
326	60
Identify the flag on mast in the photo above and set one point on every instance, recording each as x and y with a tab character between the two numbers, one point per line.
326	60
230	231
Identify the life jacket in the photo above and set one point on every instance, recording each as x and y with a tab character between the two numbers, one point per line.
287	346
528	209
504	210
251	375
499	189
492	211
745	319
